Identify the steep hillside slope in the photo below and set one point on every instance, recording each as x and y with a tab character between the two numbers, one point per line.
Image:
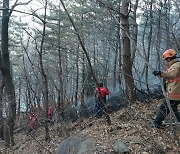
129	125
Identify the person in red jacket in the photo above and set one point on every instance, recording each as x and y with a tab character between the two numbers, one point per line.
32	120
50	113
101	99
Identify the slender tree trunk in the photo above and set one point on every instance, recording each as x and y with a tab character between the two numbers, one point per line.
135	31
28	93
1	106
83	80
44	75
77	75
158	42
19	99
94	49
167	24
119	58
119	66
116	57
127	63
149	45
115	67
60	72
105	76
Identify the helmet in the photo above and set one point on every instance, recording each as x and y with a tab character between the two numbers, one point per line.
100	84
168	53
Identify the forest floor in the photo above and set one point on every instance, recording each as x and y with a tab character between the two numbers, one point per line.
130	125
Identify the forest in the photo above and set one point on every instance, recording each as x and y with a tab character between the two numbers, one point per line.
53	55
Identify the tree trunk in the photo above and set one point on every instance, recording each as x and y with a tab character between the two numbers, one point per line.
7	77
77	76
149	46
127	63
1	106
135	31
44	76
159	35
116	57
167	24
60	73
83	80
19	99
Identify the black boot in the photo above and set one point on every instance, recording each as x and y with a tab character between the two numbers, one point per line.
157	123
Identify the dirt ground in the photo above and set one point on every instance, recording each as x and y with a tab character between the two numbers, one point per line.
129	125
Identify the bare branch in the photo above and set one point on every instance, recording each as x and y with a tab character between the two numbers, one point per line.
32	13
18	4
112	9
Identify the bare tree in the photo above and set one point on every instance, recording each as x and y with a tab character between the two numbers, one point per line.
43	73
5	68
149	42
117	56
127	61
60	72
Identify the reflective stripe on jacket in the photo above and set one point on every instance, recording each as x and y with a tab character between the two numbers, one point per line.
173	80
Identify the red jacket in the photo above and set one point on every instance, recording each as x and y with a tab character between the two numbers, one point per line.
50	112
33	118
102	91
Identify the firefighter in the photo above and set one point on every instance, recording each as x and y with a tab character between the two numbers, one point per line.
101	92
50	115
32	120
172	77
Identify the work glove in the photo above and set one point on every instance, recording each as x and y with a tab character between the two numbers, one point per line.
157	73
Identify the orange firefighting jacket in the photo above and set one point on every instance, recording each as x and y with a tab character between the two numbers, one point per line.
172	77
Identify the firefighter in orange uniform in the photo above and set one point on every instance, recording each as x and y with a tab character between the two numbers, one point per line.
172	76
